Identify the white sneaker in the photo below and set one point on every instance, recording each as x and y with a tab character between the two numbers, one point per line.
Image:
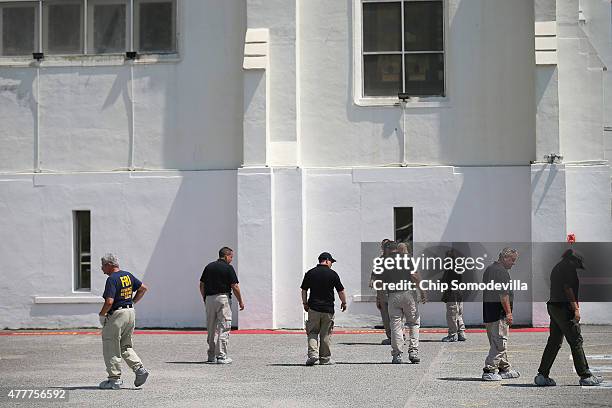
111	384
491	377
509	374
225	360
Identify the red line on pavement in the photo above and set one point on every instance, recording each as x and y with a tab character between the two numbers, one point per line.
250	331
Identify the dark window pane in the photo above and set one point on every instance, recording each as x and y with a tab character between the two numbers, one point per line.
82	250
63	28
382	75
382	27
18	29
156	27
403	224
423	22
425	74
109	28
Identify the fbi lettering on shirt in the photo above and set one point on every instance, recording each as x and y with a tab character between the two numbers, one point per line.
126	287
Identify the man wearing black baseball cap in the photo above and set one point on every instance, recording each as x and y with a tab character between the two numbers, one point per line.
321	281
564	311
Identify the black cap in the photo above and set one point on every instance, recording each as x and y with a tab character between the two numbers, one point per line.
326	256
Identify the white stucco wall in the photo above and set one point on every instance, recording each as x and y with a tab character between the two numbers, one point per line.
488	118
347	207
154	222
185	113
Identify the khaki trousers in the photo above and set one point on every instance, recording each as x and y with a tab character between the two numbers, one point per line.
403	305
319	325
117	342
454	317
219	324
383	299
497	332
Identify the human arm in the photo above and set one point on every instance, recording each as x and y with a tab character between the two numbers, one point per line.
305	300
202	291
236	290
342	296
416	278
108	303
573	302
140	293
505	301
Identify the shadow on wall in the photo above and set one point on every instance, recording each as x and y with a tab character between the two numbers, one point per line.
17	92
200	220
389	119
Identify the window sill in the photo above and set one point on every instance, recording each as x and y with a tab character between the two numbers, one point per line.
42	300
364	298
411	103
87	60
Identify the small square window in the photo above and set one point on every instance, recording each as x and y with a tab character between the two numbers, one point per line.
63	27
155	26
108	27
18	28
402	48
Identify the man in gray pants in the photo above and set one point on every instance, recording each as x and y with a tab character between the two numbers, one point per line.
216	282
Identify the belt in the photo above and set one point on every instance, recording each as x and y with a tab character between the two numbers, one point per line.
110	312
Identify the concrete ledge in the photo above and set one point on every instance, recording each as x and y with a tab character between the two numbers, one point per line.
45	300
364	298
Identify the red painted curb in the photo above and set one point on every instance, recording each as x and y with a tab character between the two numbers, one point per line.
261	331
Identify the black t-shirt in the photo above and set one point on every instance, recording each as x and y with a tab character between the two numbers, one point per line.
321	280
492	309
563	275
218	277
121	286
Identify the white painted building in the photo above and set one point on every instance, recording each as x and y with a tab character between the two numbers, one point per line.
274	127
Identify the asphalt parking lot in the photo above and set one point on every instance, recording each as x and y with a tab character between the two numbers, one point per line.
269	371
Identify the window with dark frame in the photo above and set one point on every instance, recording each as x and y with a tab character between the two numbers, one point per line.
63	27
76	27
82	250
403	48
18	28
109	27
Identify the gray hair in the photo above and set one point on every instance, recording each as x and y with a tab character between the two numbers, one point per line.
506	252
110	259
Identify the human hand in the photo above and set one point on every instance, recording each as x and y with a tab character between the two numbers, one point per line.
241	304
577	315
343	307
509	319
305	307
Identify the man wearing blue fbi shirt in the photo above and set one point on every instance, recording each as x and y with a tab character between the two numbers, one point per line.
118	320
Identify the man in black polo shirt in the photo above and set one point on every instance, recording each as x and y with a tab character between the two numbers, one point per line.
321	281
564	311
217	282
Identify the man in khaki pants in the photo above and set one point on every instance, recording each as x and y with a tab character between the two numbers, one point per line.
497	316
216	282
118	321
321	281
